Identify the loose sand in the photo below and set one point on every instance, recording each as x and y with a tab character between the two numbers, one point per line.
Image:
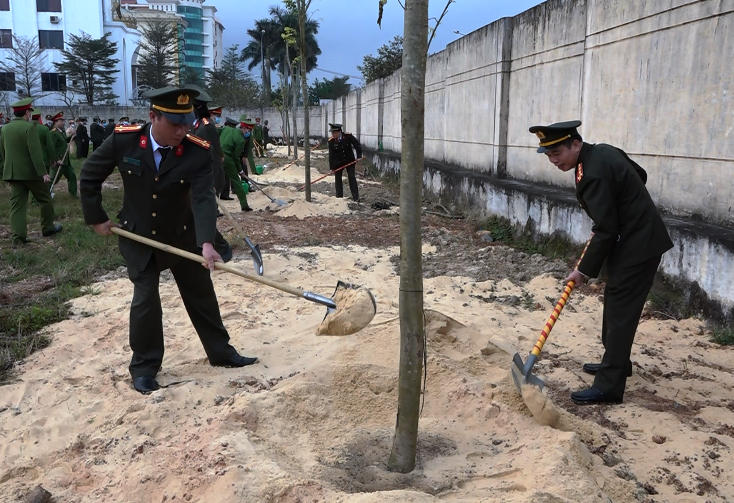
313	421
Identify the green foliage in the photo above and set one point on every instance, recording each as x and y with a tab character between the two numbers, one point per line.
90	67
160	56
389	59
329	89
230	85
723	335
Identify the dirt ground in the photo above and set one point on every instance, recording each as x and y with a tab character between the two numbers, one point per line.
313	421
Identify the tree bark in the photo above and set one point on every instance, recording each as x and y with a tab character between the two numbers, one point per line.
295	114
302	8
286	126
412	335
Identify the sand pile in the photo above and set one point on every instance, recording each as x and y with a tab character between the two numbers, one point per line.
314	420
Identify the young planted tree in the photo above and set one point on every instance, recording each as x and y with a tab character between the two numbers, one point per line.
303	6
160	59
27	61
90	67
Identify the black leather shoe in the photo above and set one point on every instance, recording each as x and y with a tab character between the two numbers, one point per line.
21	241
145	384
593	368
57	228
227	198
220	214
246	208
591	396
235	361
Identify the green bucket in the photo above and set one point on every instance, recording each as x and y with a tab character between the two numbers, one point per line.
246	187
259	169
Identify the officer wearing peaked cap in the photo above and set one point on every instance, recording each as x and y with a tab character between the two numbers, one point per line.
204	128
168	197
340	155
25	171
629	235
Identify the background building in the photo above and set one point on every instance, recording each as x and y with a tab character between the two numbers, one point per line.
53	21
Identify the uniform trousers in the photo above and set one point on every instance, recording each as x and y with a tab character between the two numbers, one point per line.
339	183
146	315
624	298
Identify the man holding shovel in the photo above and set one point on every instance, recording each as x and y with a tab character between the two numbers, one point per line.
233	144
61	147
629	235
168	197
341	154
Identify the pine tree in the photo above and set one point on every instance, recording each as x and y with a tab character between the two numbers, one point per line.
161	46
90	67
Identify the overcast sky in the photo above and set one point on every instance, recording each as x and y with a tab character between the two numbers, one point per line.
349	28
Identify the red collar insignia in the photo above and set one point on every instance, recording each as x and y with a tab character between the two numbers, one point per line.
143	141
179	150
579	172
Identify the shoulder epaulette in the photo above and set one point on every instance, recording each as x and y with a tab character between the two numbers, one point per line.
205	121
199	141
128	129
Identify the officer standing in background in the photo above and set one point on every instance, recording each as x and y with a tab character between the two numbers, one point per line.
204	128
97	133
266	135
24	170
247	126
168	197
82	138
629	235
340	154
233	144
109	128
60	143
44	137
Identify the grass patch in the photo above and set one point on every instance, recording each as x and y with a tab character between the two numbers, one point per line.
38	279
723	335
504	232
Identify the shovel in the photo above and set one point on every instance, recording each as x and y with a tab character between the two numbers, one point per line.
332	172
279	202
332	308
522	372
58	171
257	256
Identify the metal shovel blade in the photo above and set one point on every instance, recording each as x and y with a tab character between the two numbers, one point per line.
520	378
257	256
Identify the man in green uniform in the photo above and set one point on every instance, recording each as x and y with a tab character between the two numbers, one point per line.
204	128
257	136
44	137
168	197
247	126
60	143
24	169
629	235
233	144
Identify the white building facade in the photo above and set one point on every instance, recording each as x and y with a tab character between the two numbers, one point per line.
53	21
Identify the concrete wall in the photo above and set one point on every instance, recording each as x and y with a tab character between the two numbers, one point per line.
651	77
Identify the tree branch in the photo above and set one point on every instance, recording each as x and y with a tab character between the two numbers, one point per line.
433	31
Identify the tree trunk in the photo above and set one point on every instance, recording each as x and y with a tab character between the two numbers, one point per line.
295	112
412	335
304	90
286	127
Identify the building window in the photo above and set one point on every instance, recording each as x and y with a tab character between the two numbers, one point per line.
48	5
6	39
7	81
51	39
4	4
53	82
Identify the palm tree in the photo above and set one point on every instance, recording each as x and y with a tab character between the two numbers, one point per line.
252	51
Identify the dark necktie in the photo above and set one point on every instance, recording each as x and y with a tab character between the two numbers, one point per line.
164	152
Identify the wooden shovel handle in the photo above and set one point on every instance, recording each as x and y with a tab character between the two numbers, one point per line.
557	310
198	258
332	172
